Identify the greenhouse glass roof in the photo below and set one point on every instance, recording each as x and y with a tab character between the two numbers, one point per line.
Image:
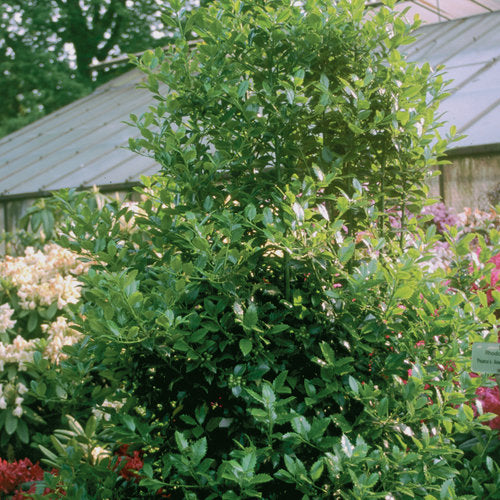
80	145
434	11
470	51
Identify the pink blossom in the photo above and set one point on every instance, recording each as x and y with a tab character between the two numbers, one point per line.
490	401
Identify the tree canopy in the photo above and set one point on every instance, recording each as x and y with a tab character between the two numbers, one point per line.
47	49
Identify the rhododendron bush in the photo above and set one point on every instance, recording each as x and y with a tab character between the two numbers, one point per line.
264	330
36	289
40	293
453	227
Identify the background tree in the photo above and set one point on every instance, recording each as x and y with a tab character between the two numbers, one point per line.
47	48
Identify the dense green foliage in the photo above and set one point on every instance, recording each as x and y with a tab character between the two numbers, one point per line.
260	321
283	96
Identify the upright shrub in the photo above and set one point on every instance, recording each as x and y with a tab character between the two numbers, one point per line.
270	336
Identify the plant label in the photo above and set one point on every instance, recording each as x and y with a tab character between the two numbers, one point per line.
486	357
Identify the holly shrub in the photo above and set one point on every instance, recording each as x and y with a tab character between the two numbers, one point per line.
267	331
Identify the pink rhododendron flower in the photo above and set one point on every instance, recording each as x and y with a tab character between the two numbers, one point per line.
489	397
495	276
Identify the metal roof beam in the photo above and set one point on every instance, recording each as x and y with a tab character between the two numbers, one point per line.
481	5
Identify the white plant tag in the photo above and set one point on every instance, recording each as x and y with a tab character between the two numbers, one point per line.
486	357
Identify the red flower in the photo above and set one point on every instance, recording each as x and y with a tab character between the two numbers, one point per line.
13	474
132	463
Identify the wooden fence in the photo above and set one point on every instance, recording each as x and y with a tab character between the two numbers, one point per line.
471	181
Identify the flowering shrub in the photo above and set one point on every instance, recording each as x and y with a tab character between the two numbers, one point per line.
36	289
475	220
23	480
128	463
489	397
457	227
451	228
117	473
442	216
43	278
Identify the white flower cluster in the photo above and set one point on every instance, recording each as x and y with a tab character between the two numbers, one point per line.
6	320
59	335
98	413
20	351
13	393
42	278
